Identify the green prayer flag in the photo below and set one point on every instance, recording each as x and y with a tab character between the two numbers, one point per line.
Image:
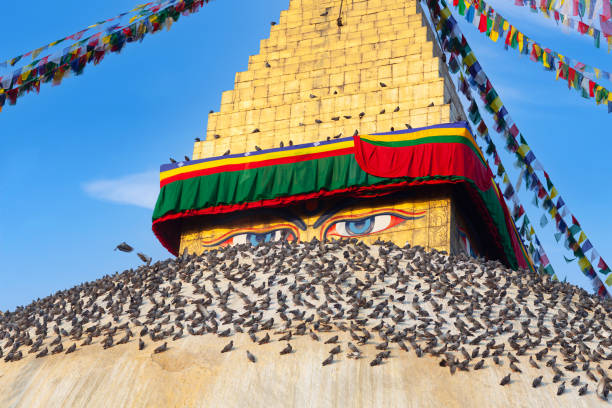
574	229
461	7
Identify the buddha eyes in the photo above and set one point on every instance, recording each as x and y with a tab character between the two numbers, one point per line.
263	237
255	237
341	226
364	226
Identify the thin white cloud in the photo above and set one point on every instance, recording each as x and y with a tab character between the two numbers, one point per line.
138	189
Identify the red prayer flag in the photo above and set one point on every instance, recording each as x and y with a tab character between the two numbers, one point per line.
482	26
571	74
575	221
576	6
602	265
591	88
582	28
541	192
455	3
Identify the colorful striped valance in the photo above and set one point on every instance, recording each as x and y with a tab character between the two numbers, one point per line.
365	165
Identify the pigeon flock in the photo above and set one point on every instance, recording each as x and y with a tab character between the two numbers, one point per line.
361	301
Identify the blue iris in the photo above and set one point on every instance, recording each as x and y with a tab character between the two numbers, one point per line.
256	239
359	227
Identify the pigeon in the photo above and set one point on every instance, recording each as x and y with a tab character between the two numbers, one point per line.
312	96
397	109
335	350
361	114
272	23
216	136
256	130
583	390
228	347
536	381
328	360
264	340
268	64
286	350
227	152
430	105
561	388
161	348
331	340
144	258
172	160
141	344
505	380
124	247
197	139
382	84
257	148
250	356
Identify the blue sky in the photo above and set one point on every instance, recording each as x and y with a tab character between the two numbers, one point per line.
79	169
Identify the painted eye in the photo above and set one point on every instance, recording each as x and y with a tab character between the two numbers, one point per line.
364	226
256	238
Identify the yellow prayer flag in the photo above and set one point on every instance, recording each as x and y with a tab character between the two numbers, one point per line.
497	104
553	192
505	26
106	39
522	150
133	18
597	72
494	36
445	13
93	25
531	231
545	60
36	52
584	263
553	212
506	178
469	59
519	38
582	237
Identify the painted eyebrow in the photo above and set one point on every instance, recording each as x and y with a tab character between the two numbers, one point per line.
333	211
283	213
